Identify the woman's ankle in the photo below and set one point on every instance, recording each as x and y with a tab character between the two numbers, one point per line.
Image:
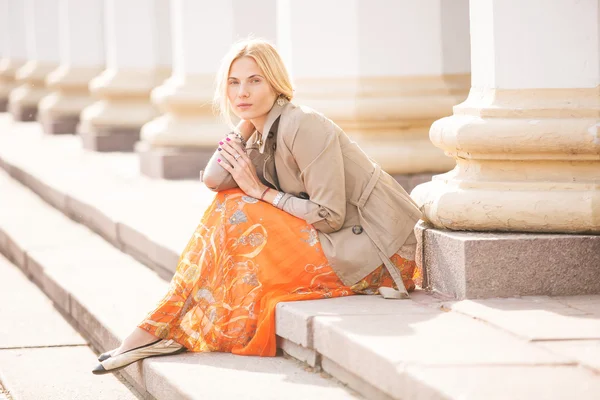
134	340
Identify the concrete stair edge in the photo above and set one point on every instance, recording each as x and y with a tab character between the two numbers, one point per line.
65	302
117	233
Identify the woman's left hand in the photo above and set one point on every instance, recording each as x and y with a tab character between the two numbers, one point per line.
241	169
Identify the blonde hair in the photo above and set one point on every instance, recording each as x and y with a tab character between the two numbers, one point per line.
268	60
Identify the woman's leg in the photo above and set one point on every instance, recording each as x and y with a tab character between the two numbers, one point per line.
137	338
171	304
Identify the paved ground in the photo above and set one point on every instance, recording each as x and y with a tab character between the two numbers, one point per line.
41	355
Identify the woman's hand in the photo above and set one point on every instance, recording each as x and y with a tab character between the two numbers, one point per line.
241	168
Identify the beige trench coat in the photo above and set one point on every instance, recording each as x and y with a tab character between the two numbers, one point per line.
362	214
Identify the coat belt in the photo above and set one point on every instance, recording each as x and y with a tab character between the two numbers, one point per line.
388	293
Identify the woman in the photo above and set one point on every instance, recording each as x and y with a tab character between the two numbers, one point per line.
300	213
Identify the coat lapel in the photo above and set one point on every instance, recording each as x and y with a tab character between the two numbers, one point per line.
274	113
269	167
271	126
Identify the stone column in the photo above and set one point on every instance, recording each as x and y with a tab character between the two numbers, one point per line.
135	30
383	71
42	53
81	47
527	147
179	143
12	14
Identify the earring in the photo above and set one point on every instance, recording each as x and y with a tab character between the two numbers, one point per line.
281	101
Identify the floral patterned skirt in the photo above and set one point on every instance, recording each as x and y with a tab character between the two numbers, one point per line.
244	257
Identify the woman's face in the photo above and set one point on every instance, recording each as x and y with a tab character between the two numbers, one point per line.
250	95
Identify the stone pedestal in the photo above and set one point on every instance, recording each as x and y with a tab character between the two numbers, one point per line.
396	68
113	123
59	111
178	144
8	69
390	117
41	23
528	156
174	135
23	100
81	47
508	264
21	112
172	162
135	31
108	138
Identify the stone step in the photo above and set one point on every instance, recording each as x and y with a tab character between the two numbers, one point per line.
105	292
425	348
33	336
106	193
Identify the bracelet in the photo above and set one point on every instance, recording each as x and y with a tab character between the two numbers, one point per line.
277	198
241	138
265	192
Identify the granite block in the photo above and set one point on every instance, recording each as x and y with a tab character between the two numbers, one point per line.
24	113
172	162
59	125
485	265
107	139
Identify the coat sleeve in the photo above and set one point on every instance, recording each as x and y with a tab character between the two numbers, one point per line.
316	149
215	177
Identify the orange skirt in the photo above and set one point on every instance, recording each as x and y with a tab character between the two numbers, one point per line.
244	257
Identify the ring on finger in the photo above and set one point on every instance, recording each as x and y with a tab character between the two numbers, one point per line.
236	157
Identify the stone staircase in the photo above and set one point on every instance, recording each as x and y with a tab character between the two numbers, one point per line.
102	242
41	355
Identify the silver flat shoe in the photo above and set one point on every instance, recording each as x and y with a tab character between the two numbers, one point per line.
106	355
160	347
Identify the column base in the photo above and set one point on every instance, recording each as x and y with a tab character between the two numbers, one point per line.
30	89
172	162
59	111
59	125
110	139
484	265
410	181
21	112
